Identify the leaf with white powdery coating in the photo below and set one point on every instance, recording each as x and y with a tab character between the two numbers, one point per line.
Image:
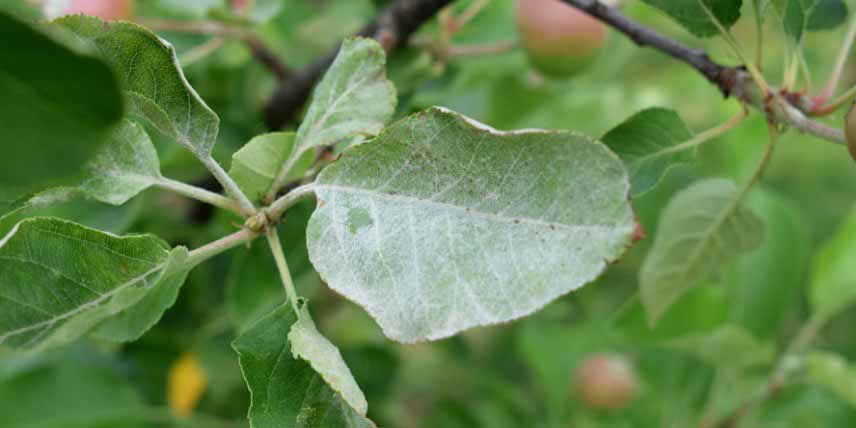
647	143
285	391
60	280
353	98
308	344
254	166
701	229
124	166
693	17
151	78
442	223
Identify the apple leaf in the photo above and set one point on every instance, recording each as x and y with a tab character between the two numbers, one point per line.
442	223
61	280
833	273
701	229
648	142
254	166
151	78
286	391
691	14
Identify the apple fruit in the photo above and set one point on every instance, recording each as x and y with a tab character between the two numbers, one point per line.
558	39
111	10
606	381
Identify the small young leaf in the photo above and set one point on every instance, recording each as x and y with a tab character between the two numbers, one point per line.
61	279
285	391
832	372
693	17
442	223
254	166
646	143
353	98
701	229
59	103
833	274
308	344
151	78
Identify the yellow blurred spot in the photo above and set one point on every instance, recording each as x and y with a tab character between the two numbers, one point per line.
186	384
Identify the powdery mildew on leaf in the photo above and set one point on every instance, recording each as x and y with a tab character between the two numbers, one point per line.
61	279
151	77
324	357
701	229
285	391
442	223
353	98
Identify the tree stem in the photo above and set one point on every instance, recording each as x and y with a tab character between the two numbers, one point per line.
214	248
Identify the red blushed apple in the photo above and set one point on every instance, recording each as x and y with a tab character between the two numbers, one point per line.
558	39
606	382
111	10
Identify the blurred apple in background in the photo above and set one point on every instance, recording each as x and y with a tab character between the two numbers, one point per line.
606	381
105	9
558	39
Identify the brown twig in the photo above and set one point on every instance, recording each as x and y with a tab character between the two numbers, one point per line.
391	28
260	51
781	107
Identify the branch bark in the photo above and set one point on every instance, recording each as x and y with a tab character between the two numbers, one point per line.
779	107
391	28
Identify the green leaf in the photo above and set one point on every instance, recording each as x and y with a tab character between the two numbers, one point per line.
827	15
832	372
729	346
254	166
57	99
701	229
794	19
286	391
693	17
353	98
151	78
61	279
308	344
123	167
833	274
442	223
648	143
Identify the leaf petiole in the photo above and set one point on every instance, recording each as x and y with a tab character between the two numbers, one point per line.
199	194
276	209
282	267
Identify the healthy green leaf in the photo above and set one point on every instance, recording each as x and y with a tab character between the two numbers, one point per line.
693	17
286	391
833	275
353	98
794	20
648	143
61	279
308	344
57	98
254	166
151	78
832	372
701	229
442	223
